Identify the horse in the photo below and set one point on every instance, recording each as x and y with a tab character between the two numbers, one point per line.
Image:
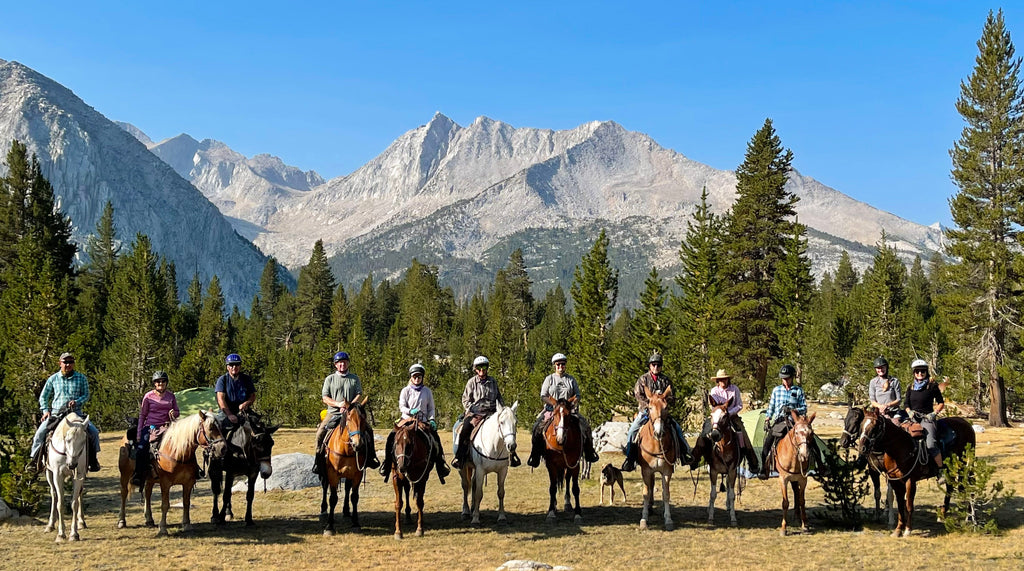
563	453
345	458
247	453
792	461
66	457
414	456
490	450
851	427
894	452
723	460
173	464
657	454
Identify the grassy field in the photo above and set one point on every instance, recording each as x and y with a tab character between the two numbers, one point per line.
288	534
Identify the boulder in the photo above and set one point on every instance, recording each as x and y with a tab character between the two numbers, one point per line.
611	437
5	512
523	564
978	428
291	472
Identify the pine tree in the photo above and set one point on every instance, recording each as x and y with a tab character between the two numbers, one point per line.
759	227
988	169
95	282
313	298
204	358
595	291
793	292
882	306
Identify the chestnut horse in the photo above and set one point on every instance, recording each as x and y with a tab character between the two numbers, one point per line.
563	451
173	464
894	452
345	458
657	454
724	460
792	461
851	428
414	456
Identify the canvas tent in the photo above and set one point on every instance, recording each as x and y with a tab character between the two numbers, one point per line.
190	401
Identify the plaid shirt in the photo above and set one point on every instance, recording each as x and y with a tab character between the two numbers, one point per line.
782	399
63	389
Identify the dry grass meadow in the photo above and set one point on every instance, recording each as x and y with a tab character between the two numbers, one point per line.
288	535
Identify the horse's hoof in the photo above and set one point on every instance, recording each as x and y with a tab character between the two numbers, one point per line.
733	523
896	533
250	523
161	533
805	529
783	532
328	533
419	533
187	529
465	516
48	529
81	525
60	539
356	529
74	537
711	521
475	523
551	517
669	526
906	532
150	523
121	524
578	519
643	525
398	536
229	517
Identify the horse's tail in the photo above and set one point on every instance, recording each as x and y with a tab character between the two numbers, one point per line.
964	432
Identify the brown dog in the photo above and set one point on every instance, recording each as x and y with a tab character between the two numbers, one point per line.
610	475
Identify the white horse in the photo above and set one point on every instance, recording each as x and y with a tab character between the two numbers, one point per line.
66	458
490	450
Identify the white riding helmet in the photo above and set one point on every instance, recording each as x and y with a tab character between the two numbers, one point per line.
417	368
481	360
558	357
918	364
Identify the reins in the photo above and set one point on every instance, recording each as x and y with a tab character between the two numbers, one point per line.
430	456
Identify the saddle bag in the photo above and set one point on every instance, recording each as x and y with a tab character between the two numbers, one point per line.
914	429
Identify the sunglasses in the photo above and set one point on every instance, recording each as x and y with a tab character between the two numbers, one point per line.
67	362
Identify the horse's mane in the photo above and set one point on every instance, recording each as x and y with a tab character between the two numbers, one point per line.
65	425
180	436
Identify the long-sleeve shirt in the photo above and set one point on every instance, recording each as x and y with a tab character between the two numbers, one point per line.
62	389
782	398
877	392
341	387
155	410
480	396
413	397
924	400
654	383
559	387
722	395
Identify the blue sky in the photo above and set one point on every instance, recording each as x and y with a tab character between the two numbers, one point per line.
862	92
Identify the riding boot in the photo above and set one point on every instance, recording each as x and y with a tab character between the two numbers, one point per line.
462	451
940	478
537	447
751	456
371	456
94	461
698	451
766	450
588	449
818	459
631	456
389	457
439	464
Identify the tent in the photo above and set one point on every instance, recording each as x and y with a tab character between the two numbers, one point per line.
190	401
753	420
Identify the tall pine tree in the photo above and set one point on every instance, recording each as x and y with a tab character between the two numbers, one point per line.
595	290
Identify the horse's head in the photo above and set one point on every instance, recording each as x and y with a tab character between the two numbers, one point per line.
869	429
75	437
851	425
507	423
355	421
210	435
719	419
561	414
657	403
802	434
263	443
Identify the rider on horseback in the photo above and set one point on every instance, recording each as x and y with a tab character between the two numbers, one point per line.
236	393
479	400
656	382
416	402
159	407
66	388
725	392
924	402
785	398
884	391
558	386
340	389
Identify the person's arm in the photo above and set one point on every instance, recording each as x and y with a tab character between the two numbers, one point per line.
737	401
873	394
773	405
83	396
467	396
801	402
545	387
940	403
252	395
174	412
497	393
45	397
427	403
894	384
403	402
143	413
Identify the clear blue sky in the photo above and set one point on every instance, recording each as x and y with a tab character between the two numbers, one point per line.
862	92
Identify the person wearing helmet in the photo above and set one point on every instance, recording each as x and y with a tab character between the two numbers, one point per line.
785	397
724	392
656	382
159	408
479	399
416	403
884	391
341	389
236	393
559	386
923	403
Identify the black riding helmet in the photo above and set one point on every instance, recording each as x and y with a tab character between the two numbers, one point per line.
787	371
160	376
881	362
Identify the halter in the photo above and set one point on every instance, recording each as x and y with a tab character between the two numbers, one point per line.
565	458
791	435
430	456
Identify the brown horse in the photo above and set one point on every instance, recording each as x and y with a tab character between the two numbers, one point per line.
563	452
345	458
414	456
792	461
657	454
724	460
894	452
173	464
851	428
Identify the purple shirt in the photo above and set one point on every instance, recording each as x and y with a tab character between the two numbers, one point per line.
722	395
156	410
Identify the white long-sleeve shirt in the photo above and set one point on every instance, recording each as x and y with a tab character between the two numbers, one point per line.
416	397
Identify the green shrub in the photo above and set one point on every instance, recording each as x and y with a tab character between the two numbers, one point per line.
844	487
19	489
975	498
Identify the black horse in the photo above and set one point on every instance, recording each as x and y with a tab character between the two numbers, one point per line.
851	429
247	454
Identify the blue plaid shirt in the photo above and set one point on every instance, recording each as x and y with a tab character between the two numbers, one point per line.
63	389
783	398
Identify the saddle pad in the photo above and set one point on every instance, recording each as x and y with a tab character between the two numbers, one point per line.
914	429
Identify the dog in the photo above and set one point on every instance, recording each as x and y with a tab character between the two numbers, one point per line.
610	475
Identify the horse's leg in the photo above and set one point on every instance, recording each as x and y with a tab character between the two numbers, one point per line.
225	506
911	492
407	488
730	495
418	493
875	481
713	496
165	504
121	523
566	481
799	494
186	503
346	511
648	477
785	502
355	500
945	503
478	493
900	490
576	494
398	505
59	503
148	500
54	505
666	498
76	507
250	493
552	491
329	512
215	483
502	474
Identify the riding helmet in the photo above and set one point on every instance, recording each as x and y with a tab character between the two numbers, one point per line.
480	361
654	358
787	372
919	364
159	376
558	357
417	368
340	356
881	362
233	359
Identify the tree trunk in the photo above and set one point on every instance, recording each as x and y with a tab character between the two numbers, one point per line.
997	402
759	377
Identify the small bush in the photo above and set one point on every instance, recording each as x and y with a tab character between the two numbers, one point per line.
844	487
975	498
19	489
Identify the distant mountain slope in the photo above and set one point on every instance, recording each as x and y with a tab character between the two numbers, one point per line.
90	160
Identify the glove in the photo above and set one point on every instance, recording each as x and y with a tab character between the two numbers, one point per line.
433	424
414	411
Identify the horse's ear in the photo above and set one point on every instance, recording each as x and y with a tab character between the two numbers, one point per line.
550	401
202	415
810	419
794	415
365	400
667	392
647	392
573	400
515	405
273	429
711	401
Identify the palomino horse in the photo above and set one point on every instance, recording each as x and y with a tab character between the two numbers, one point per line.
66	458
563	452
247	453
345	458
851	428
724	460
792	461
414	455
490	451
657	454
173	464
894	452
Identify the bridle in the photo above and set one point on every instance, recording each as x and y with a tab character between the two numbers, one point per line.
430	453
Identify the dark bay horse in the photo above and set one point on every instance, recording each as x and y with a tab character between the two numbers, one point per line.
345	458
657	454
173	464
563	452
414	456
894	452
247	453
851	428
792	461
724	459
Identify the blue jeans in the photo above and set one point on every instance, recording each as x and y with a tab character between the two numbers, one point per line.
639	421
40	438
